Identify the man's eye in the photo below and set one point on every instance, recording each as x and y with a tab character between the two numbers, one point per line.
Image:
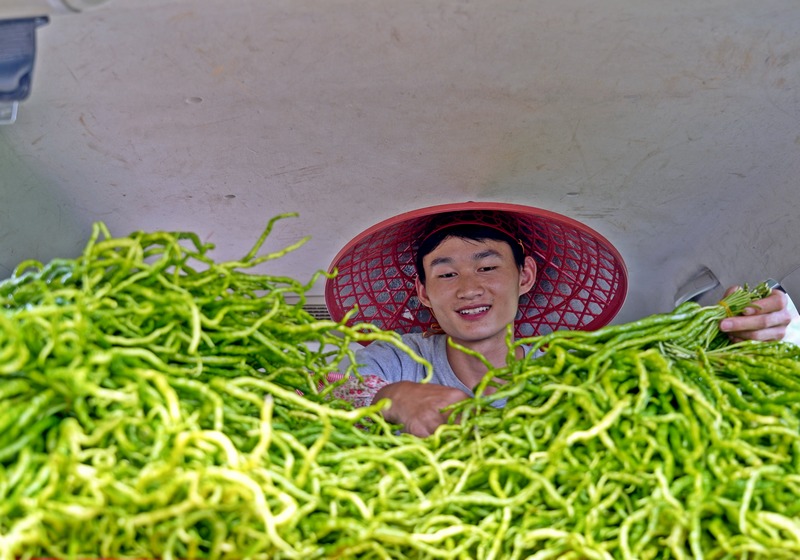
487	268
447	275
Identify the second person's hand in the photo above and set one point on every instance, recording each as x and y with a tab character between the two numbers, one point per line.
764	319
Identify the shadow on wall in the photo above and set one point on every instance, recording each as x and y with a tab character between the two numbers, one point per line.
36	221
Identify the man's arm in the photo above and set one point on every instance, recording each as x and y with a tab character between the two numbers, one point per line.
418	406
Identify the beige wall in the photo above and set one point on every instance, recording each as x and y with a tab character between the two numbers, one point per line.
669	127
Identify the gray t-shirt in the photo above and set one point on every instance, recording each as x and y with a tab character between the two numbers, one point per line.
393	364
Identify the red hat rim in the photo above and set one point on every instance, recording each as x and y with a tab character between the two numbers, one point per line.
581	279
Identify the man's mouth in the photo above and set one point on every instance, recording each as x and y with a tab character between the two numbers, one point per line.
474	310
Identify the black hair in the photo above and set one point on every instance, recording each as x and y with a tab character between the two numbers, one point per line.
474	232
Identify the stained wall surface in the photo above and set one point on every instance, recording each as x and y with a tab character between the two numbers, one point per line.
669	127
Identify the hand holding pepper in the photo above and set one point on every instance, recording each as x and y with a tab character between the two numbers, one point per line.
763	319
418	406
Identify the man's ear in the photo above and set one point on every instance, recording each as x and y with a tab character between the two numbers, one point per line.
422	293
527	275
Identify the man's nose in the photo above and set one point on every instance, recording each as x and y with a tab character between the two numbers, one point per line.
469	286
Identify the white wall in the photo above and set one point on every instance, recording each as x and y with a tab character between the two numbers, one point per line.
669	127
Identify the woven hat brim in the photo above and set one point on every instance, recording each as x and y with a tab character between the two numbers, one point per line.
581	279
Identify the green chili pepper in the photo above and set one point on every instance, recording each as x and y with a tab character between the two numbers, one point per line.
152	407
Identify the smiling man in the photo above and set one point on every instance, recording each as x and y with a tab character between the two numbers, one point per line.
471	278
474	269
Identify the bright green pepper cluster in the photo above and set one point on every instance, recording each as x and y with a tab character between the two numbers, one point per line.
155	403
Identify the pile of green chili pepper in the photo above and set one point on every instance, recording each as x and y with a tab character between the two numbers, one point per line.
155	403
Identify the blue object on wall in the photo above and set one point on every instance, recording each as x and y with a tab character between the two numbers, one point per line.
17	55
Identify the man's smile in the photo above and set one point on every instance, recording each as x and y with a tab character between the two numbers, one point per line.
474	310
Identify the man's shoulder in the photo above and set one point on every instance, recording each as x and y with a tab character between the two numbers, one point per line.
420	343
394	362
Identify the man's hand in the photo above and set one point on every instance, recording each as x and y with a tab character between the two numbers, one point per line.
418	406
764	319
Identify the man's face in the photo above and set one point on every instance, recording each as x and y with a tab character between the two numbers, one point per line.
473	288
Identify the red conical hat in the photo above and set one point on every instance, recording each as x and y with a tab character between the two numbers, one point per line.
581	278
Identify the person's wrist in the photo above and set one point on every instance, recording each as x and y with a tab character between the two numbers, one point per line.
388	392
